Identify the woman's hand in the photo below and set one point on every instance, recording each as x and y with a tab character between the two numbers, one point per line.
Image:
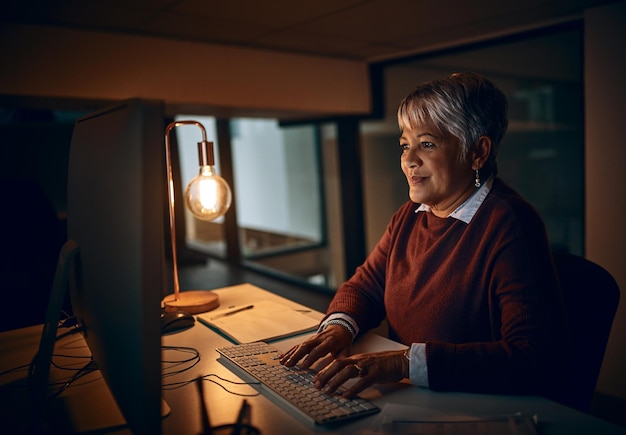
334	340
370	368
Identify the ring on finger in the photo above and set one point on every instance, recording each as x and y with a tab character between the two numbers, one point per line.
360	370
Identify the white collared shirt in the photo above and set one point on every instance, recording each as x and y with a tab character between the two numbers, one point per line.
466	211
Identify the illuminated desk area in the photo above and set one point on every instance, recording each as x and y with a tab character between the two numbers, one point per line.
185	417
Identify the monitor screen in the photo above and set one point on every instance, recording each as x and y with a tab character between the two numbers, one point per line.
116	208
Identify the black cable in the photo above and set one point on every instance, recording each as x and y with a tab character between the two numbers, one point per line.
83	371
59	355
193	360
33	362
180	384
15	369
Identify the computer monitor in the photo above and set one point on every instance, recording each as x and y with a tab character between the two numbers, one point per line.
116	209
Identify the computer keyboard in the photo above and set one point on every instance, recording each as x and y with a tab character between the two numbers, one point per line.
292	386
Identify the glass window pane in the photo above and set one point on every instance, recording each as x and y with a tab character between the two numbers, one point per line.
277	186
279	194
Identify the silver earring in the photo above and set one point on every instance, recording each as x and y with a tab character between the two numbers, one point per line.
477	181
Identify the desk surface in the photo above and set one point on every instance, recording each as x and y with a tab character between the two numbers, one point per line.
19	346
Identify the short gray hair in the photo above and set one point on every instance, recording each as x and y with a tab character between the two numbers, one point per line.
464	105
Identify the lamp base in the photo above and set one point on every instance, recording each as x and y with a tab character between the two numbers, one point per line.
192	301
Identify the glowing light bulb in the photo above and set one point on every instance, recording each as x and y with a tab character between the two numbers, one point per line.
207	195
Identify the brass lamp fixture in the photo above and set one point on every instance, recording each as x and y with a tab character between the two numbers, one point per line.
208	197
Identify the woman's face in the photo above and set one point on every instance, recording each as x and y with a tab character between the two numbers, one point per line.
435	174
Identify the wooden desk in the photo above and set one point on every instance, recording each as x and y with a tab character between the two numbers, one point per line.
19	346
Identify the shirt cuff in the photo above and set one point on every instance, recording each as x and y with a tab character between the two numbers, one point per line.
340	316
418	369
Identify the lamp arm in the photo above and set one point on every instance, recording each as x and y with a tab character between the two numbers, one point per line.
205	156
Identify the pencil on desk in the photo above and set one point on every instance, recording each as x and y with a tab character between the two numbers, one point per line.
234	311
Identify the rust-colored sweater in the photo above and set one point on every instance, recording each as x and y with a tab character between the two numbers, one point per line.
483	296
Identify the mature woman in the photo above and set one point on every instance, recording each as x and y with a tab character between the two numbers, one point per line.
463	272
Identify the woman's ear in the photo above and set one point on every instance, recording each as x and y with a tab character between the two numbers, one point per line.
480	152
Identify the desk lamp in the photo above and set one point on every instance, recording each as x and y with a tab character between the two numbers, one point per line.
208	197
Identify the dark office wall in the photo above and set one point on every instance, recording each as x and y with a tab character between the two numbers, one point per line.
34	145
605	160
34	148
